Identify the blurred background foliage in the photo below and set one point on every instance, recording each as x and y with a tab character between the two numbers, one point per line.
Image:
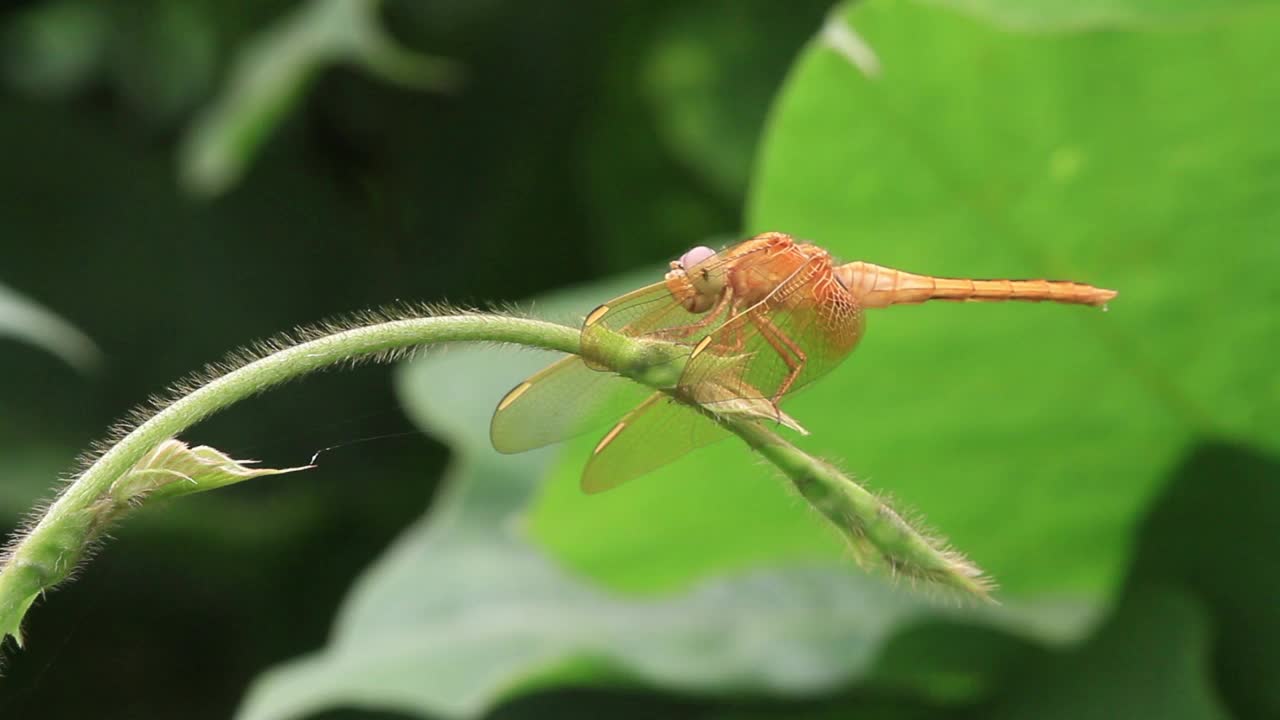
185	176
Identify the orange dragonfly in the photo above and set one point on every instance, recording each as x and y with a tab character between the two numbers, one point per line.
753	323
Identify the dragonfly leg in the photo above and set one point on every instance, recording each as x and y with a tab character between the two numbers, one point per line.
729	338
684	331
791	354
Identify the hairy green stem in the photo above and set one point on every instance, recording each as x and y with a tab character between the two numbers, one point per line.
120	479
54	546
876	533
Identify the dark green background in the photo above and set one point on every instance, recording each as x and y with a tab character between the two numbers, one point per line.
585	139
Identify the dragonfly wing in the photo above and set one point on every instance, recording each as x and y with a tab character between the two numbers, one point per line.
563	400
651	311
639	311
659	312
797	333
655	433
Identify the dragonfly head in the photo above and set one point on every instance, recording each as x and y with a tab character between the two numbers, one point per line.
696	280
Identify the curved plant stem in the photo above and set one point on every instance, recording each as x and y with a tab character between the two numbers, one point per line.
54	545
877	534
126	474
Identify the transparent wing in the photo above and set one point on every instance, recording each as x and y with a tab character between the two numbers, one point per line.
655	433
655	311
561	401
797	333
651	311
640	312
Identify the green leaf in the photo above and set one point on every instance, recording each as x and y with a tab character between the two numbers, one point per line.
1031	436
24	320
708	79
1034	436
174	468
464	611
170	469
274	70
1075	15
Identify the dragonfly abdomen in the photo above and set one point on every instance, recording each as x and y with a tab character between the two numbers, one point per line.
878	286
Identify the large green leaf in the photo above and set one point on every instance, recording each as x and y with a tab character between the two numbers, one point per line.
1103	156
1032	436
464	610
1099	14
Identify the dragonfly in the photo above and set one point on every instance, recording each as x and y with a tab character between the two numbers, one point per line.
751	325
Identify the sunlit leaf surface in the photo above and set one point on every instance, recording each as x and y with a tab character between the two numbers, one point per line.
465	611
1032	436
1136	155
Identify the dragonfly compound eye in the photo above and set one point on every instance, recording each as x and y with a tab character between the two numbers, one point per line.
695	256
